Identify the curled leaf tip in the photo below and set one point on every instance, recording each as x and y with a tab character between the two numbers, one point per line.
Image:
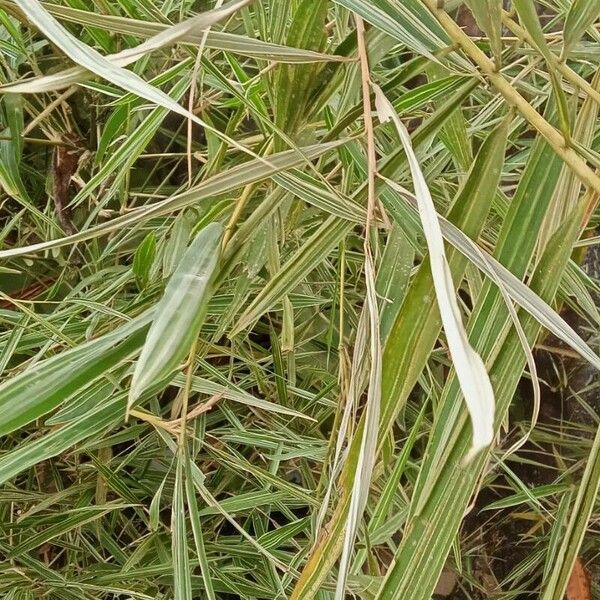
470	369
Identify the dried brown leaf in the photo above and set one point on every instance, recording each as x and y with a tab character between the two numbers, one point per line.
579	587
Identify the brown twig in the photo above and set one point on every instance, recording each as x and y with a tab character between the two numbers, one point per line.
174	426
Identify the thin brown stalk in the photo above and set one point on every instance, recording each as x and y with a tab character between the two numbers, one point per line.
185	394
48	109
198	410
174	426
368	332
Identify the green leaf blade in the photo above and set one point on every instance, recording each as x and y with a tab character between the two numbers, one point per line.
180	313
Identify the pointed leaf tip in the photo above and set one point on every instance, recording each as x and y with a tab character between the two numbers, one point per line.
179	314
470	369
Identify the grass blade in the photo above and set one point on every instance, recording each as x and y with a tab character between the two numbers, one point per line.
92	60
221	183
410	341
58	441
109	67
216	40
182	582
566	555
179	314
444	486
488	14
492	268
470	369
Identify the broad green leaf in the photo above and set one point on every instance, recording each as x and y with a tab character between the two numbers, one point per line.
235	394
409	22
179	314
393	277
83	402
278	537
293	84
155	506
114	124
542	491
11	344
582	14
178	241
75	519
310	190
9	271
143	260
244	503
558	531
38	390
11	148
454	134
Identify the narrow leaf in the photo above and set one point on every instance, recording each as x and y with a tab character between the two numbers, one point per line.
581	15
37	391
108	67
216	40
470	370
182	582
89	58
492	268
39	449
179	314
488	14
226	181
143	259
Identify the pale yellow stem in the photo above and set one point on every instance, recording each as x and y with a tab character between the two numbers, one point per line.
561	66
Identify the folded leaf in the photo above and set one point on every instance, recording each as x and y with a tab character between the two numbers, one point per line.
179	314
